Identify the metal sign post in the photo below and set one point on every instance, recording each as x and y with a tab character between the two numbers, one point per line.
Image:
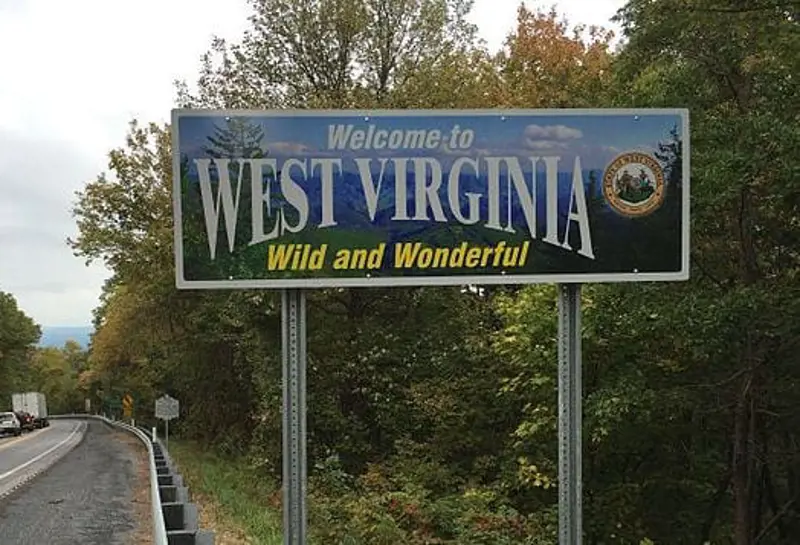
293	325
167	408
570	506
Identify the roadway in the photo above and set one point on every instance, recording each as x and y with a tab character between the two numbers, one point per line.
86	483
19	455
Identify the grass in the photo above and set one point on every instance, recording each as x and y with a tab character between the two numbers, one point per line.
236	503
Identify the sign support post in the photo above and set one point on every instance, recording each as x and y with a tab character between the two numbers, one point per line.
570	506
167	408
293	326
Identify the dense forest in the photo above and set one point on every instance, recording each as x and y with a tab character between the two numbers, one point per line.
432	412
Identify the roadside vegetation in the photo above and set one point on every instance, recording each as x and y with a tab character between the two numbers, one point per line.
24	367
432	412
240	506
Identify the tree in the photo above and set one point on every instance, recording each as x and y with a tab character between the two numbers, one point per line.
18	336
331	53
151	339
732	63
126	221
547	64
53	372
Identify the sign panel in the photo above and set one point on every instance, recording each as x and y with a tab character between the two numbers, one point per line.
127	405
167	408
304	199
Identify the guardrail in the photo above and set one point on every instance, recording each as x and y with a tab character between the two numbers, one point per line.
180	516
175	519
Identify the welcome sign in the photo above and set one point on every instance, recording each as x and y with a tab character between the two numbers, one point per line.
281	199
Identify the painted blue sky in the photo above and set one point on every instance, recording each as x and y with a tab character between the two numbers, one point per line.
597	139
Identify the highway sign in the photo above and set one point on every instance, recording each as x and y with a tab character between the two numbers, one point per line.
316	199
167	408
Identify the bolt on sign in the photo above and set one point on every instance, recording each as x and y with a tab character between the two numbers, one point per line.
310	199
281	199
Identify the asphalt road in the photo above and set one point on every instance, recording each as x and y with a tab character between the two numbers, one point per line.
30	448
86	498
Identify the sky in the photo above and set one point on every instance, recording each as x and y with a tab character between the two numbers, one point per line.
72	76
596	139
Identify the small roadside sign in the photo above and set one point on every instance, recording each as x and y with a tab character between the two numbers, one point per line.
167	408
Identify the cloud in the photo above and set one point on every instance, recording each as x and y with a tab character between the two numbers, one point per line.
300	150
546	144
559	132
547	136
50	284
55	134
288	148
32	183
38	178
12	6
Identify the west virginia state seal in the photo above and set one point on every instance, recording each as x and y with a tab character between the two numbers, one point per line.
633	184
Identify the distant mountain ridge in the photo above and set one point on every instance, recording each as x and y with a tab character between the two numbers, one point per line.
57	336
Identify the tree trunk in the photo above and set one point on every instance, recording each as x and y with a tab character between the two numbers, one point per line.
742	465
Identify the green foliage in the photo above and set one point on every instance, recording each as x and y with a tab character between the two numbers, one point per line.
725	362
332	53
390	503
55	372
18	336
232	489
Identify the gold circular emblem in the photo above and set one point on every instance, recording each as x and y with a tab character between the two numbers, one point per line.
633	184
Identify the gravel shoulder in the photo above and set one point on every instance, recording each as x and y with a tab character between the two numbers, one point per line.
92	496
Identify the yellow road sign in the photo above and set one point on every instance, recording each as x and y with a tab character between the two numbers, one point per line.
127	405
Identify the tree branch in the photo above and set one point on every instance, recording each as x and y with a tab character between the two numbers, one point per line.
774	520
752	7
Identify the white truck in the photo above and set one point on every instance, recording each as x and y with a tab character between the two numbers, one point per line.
33	403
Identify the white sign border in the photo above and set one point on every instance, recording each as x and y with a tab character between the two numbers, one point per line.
409	281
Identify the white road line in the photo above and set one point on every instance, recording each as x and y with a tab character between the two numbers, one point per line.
40	456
